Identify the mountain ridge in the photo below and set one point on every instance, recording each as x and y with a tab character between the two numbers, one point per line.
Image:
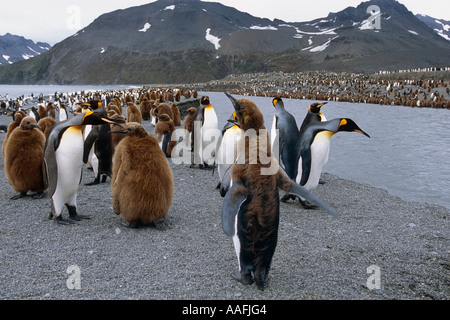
174	41
15	48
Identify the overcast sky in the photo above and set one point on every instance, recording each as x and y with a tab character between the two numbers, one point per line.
54	20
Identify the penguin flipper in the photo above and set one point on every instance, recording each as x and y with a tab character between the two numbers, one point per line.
89	142
291	187
230	208
166	139
50	169
306	165
226	182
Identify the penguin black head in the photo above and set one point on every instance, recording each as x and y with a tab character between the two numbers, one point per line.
92	117
205	100
277	100
248	114
349	125
92	104
315	107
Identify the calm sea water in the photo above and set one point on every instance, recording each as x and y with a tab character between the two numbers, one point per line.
408	153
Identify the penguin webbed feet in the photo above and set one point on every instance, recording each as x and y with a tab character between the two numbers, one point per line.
39	195
19	196
242	278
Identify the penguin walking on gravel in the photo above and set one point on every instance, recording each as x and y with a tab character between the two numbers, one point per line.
24	159
227	153
142	182
250	210
63	160
285	132
320	146
205	123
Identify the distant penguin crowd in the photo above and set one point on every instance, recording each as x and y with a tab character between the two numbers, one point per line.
47	146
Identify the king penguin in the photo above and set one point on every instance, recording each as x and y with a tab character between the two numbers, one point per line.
285	130
63	160
205	123
24	159
250	209
314	152
227	153
142	182
320	145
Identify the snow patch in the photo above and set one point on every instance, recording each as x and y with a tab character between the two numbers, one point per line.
413	32
213	39
146	27
446	27
102	50
323	46
263	28
172	7
27	56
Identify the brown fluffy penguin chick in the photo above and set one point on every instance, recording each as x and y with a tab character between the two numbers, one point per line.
116	137
163	130
145	106
24	159
142	182
133	113
176	115
188	125
46	124
18	116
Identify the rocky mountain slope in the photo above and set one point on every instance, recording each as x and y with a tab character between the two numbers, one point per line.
175	41
16	48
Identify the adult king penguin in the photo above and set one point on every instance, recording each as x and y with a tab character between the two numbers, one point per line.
314	151
227	153
63	159
285	130
205	120
250	210
320	146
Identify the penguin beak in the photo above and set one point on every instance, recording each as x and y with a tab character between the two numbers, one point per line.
362	132
322	104
236	105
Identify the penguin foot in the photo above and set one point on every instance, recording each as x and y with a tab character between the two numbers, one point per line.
160	225
79	217
60	220
287	197
39	195
19	196
307	205
242	278
131	225
93	183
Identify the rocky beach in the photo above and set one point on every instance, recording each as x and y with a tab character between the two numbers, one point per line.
379	248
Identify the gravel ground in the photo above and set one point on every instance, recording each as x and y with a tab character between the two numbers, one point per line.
405	244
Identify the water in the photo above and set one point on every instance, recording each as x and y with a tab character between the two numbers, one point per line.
408	153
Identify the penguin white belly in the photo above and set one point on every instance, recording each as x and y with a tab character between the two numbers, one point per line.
69	157
320	149
273	132
237	242
209	129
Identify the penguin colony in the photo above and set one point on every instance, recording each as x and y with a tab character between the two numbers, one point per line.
137	161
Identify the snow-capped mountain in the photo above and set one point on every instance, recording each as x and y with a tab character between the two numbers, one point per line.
16	48
442	27
180	41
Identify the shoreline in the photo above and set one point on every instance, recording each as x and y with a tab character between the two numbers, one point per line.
317	257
